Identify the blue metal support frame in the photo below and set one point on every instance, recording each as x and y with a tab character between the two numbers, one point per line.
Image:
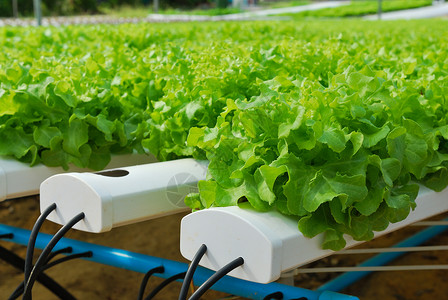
142	263
349	278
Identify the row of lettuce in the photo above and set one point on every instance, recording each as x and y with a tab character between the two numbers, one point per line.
332	123
358	8
352	8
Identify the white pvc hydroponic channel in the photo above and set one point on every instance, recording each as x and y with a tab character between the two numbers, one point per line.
269	242
18	179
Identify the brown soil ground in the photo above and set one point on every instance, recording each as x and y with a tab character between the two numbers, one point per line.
160	237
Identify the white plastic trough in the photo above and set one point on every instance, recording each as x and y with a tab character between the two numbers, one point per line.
269	242
121	196
18	179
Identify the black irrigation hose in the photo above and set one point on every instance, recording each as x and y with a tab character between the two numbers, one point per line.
274	296
167	281
6	236
217	276
67	258
32	240
145	279
44	279
19	290
60	251
190	272
43	258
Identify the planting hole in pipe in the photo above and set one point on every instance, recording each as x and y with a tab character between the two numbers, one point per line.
113	173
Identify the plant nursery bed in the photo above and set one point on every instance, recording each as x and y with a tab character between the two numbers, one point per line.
160	237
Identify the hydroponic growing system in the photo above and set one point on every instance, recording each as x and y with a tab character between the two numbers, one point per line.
285	126
252	248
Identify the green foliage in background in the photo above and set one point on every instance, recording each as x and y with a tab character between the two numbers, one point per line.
50	7
25	7
141	7
164	4
362	8
71	7
331	122
203	12
280	3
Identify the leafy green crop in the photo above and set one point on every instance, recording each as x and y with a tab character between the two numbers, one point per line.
361	8
286	3
331	122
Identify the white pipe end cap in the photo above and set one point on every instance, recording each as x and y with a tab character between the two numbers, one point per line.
72	196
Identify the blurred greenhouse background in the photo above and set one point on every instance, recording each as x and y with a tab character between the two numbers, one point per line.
141	8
